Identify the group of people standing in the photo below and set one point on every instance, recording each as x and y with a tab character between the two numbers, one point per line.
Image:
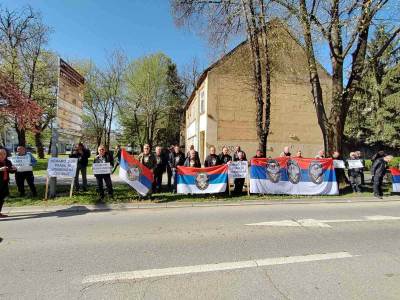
22	175
167	160
82	154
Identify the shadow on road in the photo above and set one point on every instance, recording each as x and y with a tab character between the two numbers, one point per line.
62	213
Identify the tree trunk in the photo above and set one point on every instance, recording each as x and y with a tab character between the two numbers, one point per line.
21	136
257	73
39	144
316	89
49	150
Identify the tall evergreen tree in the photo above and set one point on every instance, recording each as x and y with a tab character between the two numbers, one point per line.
373	117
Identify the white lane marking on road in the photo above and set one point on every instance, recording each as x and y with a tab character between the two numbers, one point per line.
151	273
381	218
289	223
321	223
312	223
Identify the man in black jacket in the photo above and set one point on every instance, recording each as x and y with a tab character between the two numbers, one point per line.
355	175
169	151
159	170
236	154
239	182
192	161
212	159
82	154
378	171
224	157
176	158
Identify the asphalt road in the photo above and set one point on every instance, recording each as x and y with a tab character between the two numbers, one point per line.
307	251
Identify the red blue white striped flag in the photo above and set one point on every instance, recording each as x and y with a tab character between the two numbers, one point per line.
395	179
293	176
202	180
135	174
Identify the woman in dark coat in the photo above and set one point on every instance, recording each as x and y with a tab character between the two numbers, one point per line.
6	168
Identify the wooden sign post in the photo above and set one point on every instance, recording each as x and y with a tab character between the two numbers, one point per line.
61	167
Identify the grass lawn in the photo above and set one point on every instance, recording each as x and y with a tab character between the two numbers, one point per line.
124	194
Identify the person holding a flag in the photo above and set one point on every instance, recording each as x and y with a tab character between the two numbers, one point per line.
224	157
212	159
148	159
192	161
104	157
259	154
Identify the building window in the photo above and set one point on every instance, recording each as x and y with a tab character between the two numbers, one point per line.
202	102
192	112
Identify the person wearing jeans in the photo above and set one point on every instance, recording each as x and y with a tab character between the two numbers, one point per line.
82	154
21	176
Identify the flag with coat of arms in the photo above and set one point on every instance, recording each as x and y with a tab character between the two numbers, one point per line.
202	180
135	174
395	179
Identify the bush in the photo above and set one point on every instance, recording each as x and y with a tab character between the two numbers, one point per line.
368	164
394	163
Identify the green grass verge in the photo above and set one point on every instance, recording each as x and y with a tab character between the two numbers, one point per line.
124	194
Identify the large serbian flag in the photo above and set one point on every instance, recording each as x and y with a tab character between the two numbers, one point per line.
293	176
395	179
135	174
202	180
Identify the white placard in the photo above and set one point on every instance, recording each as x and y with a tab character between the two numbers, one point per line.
338	164
22	163
62	167
101	168
237	169
355	164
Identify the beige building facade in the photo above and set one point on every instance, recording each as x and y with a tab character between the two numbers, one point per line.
222	110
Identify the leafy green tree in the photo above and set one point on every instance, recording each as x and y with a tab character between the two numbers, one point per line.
151	111
373	117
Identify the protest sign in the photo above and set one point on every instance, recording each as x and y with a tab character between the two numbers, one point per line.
338	164
101	168
237	169
62	167
355	164
22	163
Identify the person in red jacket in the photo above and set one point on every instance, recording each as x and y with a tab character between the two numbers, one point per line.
6	168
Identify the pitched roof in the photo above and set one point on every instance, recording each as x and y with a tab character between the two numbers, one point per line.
205	72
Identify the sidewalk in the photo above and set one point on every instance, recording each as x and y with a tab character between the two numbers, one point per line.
153	205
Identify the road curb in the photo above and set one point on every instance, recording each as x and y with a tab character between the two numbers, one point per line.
162	205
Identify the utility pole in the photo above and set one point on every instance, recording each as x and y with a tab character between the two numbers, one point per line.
54	141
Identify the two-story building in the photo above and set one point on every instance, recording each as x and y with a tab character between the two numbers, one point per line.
222	109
